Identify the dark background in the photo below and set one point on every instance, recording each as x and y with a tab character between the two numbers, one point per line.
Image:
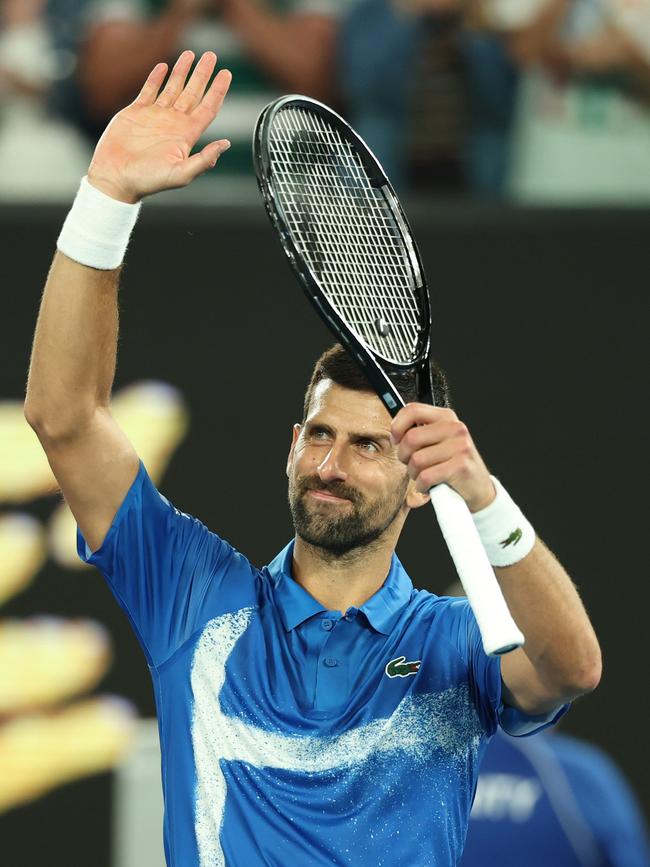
540	319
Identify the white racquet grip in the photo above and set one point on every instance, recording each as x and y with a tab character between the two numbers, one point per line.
97	229
499	631
506	534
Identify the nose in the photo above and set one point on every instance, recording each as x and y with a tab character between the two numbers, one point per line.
330	468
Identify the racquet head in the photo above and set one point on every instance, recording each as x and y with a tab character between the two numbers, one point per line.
348	240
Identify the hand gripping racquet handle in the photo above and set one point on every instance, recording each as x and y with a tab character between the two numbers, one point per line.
499	631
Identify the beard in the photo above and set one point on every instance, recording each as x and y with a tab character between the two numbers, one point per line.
362	523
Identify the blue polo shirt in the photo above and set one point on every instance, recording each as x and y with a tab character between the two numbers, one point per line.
291	734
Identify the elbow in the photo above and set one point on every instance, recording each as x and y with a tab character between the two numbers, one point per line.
592	676
52	427
586	677
45	428
33	415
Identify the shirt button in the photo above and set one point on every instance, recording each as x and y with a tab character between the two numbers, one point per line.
326	624
330	662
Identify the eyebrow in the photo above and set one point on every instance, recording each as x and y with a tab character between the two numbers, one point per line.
367	435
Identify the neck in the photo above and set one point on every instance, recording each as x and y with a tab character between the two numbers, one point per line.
339	582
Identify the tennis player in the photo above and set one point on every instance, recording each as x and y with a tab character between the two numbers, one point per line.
321	710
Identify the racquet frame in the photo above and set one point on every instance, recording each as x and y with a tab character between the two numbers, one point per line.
363	354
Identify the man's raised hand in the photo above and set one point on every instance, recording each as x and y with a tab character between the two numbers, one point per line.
146	147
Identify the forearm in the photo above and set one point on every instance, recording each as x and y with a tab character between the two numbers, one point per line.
75	344
118	54
529	44
296	50
561	657
560	643
73	358
611	51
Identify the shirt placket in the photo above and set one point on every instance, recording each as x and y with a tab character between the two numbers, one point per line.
332	670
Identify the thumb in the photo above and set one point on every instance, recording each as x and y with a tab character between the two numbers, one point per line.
204	160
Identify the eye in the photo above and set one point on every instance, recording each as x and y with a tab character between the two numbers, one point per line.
369	446
319	433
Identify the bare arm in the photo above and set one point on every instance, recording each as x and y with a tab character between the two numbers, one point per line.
296	50
68	393
117	55
560	659
529	42
146	148
611	50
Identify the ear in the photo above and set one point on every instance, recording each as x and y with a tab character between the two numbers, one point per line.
415	499
295	433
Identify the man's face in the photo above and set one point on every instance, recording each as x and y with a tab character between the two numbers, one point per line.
346	484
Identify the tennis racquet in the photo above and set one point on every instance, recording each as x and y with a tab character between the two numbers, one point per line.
350	245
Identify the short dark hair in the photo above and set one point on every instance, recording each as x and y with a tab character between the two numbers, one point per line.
337	364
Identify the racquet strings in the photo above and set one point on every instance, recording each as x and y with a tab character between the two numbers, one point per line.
346	231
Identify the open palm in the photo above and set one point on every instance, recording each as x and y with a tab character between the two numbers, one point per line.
146	147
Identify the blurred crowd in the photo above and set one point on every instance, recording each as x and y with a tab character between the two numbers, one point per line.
543	101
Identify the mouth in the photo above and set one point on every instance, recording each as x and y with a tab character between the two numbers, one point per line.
327	498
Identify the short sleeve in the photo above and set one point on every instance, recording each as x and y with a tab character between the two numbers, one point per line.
633	21
168	572
485	680
518	724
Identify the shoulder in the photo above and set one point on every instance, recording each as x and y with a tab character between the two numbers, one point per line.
150	525
447	621
445	611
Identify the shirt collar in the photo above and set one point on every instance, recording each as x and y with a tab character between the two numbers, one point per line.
296	605
385	606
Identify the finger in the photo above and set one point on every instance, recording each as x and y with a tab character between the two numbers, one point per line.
152	85
431	457
417	413
209	106
176	80
201	162
443	473
421	436
195	87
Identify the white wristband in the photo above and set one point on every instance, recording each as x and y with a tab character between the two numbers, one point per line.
97	229
506	534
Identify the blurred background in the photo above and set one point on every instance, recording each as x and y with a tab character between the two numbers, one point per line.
517	133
